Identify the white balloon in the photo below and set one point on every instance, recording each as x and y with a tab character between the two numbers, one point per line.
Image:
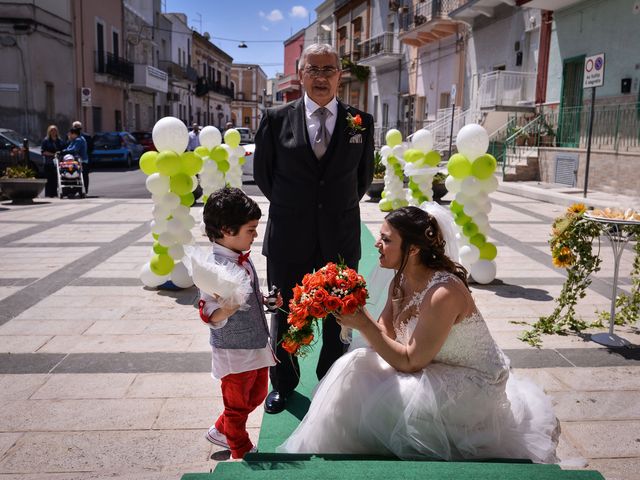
166	239
469	254
210	137
489	185
385	151
180	276
149	278
227	148
188	222
174	227
398	150
472	141
176	251
157	184
453	185
180	211
169	201
239	151
158	226
203	228
462	198
184	237
470	208
483	271
470	186
422	140
170	133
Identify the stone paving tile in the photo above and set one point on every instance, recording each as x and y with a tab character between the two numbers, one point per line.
85	386
174	385
605	439
22	343
199	343
129	452
7	228
196	413
617	468
7	440
598	379
116	343
126	264
80	415
543	378
7	291
22	262
129	327
49	327
72	312
123	212
594	406
20	387
80	232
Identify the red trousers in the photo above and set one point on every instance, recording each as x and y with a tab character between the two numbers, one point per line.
242	393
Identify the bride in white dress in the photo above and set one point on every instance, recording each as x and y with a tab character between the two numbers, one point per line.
433	383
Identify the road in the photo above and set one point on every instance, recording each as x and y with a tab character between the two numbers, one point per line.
129	183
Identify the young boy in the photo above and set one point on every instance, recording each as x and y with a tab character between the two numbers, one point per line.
241	350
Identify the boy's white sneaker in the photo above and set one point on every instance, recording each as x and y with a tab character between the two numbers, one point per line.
217	438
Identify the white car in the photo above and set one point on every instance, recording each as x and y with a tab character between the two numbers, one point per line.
245	135
247	167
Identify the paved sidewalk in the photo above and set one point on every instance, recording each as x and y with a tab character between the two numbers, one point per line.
103	378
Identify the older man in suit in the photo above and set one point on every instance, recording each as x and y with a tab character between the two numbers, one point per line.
314	162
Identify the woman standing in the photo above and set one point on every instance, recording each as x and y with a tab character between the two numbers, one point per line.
51	144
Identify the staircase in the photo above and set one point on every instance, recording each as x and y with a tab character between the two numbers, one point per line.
521	165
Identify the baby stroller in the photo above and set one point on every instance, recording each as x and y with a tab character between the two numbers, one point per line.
70	181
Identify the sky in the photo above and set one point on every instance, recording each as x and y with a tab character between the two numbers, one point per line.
263	25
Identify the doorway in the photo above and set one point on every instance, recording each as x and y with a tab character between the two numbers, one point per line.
571	102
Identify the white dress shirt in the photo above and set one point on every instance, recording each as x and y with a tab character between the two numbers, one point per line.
312	122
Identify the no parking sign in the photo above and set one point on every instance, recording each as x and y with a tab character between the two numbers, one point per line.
593	71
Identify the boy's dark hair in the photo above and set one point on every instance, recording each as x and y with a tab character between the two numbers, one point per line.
75	131
228	208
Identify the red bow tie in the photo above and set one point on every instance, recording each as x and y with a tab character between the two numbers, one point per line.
243	257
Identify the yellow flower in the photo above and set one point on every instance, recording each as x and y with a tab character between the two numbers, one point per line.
577	208
564	258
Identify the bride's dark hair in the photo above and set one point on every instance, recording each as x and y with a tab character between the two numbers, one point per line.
419	228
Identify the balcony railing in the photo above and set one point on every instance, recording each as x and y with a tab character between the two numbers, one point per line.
174	70
379	50
290	83
205	86
113	65
150	78
507	89
413	16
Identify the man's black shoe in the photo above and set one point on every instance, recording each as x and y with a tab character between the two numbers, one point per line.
275	402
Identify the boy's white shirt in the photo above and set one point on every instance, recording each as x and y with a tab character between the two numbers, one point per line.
227	360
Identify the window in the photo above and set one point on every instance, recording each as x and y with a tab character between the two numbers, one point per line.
50	105
118	120
100	57
115	37
179	56
445	99
375	109
385	115
247	120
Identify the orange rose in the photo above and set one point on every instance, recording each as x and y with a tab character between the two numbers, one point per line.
290	346
316	310
297	292
306	279
320	295
349	305
316	281
307	340
342	283
361	295
357	120
332	304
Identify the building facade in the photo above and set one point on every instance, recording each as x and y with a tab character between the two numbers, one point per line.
250	87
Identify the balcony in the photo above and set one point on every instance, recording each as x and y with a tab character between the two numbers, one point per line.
191	74
378	51
427	21
205	86
474	8
290	83
503	90
149	79
110	64
175	71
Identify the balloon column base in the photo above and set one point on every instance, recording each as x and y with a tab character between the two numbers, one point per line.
169	285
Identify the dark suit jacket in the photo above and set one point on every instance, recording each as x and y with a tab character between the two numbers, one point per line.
313	203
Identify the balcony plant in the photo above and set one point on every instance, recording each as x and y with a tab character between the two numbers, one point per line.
546	133
359	71
18	182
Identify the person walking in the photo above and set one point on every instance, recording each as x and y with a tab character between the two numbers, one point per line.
194	137
51	144
314	162
78	148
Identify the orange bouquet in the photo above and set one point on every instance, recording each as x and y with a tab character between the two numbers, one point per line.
333	288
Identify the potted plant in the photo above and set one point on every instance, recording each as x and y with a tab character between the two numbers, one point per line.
546	133
377	185
438	186
18	182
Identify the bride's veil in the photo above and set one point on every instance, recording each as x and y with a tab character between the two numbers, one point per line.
380	278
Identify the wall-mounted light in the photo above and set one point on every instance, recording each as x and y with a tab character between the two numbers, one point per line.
326	28
242	45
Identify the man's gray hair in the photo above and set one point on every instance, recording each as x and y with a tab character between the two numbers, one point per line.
318	49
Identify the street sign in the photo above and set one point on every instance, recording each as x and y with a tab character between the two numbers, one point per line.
453	93
85	96
593	71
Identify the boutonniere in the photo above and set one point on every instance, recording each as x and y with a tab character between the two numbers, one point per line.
355	124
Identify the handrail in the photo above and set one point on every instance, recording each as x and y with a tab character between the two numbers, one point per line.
509	143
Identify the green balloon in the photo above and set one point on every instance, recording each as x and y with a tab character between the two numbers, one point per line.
413	155
148	162
190	163
188	199
223	166
488	251
383	194
241	161
385	205
455	207
462	219
432	158
161	264
393	137
483	166
155	236
469	229
218	154
159	249
168	163
399	203
204	198
202	151
232	137
180	184
391	160
478	240
459	166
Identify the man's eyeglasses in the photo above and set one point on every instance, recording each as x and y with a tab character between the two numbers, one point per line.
325	72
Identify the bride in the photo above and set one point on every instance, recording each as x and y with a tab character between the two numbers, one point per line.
432	383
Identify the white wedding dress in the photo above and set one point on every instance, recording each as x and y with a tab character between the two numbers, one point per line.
463	405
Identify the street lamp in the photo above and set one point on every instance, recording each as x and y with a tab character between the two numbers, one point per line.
242	45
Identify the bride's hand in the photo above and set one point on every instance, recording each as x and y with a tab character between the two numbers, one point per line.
356	320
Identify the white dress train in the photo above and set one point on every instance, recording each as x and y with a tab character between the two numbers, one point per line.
463	405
